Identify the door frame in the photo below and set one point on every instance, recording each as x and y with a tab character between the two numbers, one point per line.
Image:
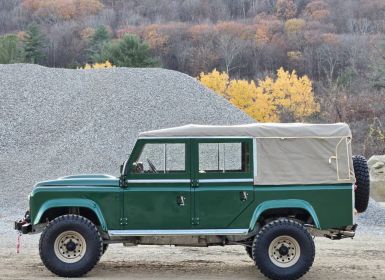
238	178
157	180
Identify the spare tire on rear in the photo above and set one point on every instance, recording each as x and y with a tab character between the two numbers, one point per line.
361	171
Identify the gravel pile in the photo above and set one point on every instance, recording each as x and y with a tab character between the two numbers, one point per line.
55	122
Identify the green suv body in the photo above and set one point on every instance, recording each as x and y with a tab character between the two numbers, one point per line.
268	187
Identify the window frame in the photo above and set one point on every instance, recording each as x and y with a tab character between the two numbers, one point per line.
137	150
222	175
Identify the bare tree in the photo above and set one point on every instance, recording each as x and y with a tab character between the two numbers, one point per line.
229	48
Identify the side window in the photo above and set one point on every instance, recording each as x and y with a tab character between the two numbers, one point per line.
224	157
161	158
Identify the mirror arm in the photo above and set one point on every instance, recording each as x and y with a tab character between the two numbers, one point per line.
122	178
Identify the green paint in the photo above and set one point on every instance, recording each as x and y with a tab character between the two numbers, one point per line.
283	204
71	202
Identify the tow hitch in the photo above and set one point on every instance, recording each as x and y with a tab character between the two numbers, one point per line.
24	225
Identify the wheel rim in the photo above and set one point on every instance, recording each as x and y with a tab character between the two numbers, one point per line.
284	251
70	247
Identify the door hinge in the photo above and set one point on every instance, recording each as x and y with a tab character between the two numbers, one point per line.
123	221
195	221
195	183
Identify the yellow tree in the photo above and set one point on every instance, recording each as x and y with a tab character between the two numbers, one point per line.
216	81
102	65
242	94
247	97
291	93
288	93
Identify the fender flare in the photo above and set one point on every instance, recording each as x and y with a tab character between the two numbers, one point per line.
71	202
285	203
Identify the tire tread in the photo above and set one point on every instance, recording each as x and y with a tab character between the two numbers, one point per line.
266	229
71	218
362	192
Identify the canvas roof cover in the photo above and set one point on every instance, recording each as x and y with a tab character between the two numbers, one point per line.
285	153
254	130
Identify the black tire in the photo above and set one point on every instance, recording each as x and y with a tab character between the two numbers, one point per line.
105	247
65	228
270	235
249	251
361	171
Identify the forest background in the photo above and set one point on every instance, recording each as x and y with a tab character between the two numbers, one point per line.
278	60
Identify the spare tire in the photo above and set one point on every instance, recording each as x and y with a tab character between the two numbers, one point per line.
361	171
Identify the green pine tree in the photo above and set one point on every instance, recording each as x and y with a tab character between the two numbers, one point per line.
98	40
10	51
128	51
33	45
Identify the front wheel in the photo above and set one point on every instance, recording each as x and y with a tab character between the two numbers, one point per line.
283	249
70	246
249	251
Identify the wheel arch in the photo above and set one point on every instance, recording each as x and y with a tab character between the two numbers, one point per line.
79	203
282	206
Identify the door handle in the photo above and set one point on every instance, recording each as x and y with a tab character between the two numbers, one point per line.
180	200
243	196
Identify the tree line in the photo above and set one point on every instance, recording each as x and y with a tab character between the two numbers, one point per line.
338	45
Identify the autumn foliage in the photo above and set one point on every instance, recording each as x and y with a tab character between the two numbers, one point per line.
101	65
337	44
65	9
268	99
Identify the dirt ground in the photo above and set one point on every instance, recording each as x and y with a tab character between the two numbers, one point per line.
360	258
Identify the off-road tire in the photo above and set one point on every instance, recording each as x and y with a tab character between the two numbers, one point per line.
61	225
361	171
249	251
105	247
283	228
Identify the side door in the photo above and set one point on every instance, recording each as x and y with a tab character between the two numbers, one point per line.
158	186
222	181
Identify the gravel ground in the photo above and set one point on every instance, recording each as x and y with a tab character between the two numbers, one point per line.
361	258
55	122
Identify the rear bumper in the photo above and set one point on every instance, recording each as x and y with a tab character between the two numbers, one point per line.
334	234
23	225
347	232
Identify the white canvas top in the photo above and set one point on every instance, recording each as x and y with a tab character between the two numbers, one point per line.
255	130
285	153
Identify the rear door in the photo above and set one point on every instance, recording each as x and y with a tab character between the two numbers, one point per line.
222	181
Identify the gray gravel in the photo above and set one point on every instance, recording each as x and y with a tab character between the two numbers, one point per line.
373	216
55	122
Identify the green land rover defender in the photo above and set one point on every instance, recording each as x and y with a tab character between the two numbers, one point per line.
268	187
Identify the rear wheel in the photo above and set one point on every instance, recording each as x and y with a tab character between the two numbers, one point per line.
361	171
70	246
283	249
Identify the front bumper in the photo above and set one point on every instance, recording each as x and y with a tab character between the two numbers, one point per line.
24	225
